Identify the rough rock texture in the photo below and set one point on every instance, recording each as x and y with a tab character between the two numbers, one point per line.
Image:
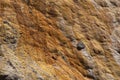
38	39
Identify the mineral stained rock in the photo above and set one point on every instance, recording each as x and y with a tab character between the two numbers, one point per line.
39	39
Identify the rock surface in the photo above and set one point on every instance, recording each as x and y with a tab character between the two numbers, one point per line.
38	39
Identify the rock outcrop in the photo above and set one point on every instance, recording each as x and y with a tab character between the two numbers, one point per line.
59	39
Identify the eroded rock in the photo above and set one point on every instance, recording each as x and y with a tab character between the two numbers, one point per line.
38	40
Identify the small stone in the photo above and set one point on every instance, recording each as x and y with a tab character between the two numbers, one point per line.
80	45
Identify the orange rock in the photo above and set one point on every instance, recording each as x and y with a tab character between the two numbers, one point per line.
38	39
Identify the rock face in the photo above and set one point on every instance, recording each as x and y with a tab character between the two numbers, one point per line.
39	39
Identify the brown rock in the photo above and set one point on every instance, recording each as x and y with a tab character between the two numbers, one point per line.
38	40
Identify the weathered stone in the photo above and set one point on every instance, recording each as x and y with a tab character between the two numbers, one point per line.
38	40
